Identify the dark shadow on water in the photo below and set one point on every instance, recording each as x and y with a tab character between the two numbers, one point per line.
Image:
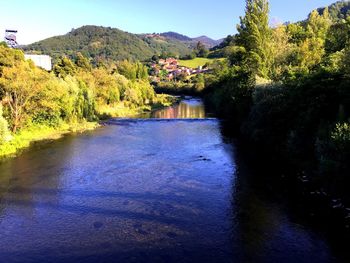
81	209
175	254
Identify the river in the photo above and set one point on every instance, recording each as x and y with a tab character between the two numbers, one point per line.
167	187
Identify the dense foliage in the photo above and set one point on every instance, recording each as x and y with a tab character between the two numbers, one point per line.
338	11
286	91
73	92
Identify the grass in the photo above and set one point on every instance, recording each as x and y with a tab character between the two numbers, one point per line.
196	62
25	137
124	110
119	110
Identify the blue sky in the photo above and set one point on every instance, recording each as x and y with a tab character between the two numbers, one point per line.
39	19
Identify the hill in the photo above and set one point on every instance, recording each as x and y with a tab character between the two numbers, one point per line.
177	36
106	43
192	42
207	41
338	10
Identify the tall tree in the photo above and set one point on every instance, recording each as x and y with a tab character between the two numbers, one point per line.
281	49
255	36
201	50
312	49
82	62
4	131
22	85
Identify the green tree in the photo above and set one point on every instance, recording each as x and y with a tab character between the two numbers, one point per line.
127	69
255	36
22	86
141	71
82	62
296	33
107	91
201	50
4	131
281	49
337	37
64	67
346	61
312	49
199	82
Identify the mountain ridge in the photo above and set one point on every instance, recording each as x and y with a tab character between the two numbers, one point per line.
107	43
207	41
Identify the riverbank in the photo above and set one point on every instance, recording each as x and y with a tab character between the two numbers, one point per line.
35	133
27	136
123	110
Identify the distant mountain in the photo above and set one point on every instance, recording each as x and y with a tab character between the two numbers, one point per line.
176	36
105	43
338	10
207	41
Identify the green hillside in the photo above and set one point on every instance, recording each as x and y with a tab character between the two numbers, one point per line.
105	43
338	11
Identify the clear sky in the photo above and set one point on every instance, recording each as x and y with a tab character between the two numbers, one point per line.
38	19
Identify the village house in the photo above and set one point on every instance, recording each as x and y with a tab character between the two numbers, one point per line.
171	66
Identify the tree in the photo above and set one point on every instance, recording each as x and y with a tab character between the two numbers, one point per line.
155	58
346	60
199	82
281	50
296	33
141	71
312	48
318	25
107	91
22	85
337	37
64	67
309	50
4	131
255	36
127	69
82	62
201	50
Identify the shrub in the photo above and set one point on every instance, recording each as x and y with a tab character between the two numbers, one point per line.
4	131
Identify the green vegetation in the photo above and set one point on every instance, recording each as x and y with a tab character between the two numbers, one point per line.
196	62
178	88
338	11
37	105
286	92
25	137
208	42
105	43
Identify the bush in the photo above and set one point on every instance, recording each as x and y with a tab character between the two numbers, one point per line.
5	134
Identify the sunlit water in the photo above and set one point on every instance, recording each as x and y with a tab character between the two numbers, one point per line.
157	190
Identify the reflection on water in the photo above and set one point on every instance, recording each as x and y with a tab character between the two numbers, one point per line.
186	109
143	191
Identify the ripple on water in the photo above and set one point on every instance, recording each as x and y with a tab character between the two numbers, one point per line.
161	190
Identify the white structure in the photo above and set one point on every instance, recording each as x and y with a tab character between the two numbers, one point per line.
43	61
10	38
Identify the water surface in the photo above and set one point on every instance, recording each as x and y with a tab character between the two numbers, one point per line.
157	190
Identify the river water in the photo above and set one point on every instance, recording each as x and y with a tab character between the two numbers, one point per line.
169	188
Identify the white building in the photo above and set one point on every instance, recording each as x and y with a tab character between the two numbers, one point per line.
43	61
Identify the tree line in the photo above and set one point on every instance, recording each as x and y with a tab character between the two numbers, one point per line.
73	92
286	91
